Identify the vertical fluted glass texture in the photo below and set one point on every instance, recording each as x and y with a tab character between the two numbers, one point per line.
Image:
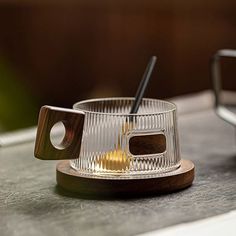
105	143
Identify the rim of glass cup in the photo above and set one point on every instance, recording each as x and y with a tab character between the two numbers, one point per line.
75	106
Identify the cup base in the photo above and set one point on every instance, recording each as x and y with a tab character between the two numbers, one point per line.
70	180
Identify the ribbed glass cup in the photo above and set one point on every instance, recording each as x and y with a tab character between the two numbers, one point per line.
105	146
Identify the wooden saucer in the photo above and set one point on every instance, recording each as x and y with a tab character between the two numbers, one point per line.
71	180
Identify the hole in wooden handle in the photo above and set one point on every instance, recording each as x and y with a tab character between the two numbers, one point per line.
147	144
69	147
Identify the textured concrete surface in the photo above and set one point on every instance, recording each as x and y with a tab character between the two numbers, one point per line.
30	203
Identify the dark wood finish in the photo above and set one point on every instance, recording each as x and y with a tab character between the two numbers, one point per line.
147	144
70	180
69	148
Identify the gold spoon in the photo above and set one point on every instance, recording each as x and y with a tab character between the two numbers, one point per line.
118	159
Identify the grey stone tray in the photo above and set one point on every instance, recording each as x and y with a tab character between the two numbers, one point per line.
31	204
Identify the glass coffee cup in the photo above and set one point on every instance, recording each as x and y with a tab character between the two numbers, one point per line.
103	140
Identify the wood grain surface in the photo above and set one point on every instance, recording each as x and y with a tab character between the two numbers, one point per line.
31	203
172	181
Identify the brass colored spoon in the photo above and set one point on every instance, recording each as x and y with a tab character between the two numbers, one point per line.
117	159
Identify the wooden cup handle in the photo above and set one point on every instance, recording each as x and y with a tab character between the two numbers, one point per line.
69	148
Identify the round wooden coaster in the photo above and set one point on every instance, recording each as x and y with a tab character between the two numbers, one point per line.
70	180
